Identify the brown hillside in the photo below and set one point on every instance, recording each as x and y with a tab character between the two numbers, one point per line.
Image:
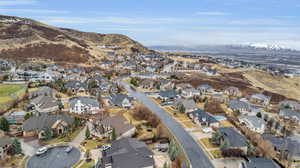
23	39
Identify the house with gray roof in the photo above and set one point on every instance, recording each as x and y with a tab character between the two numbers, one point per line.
128	153
254	162
253	123
121	100
84	105
235	139
38	125
103	127
189	92
241	106
41	91
294	105
203	118
5	144
205	89
16	117
289	114
76	86
233	91
188	105
167	95
45	104
260	98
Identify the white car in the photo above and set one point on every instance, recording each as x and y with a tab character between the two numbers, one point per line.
68	149
41	151
105	147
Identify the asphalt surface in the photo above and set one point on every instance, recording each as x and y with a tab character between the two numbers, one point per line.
195	153
54	158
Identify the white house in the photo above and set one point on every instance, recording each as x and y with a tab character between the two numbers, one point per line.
83	105
253	123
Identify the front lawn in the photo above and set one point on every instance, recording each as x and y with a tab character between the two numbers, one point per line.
92	144
216	153
189	124
88	164
10	93
11	162
207	143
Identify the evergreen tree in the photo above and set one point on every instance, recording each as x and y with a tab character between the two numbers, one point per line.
4	124
225	145
113	134
216	138
181	108
165	165
48	134
87	133
27	116
174	150
258	115
17	149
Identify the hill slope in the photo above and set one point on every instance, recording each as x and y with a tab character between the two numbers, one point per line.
23	39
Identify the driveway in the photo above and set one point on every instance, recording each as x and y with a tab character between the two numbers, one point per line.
195	153
54	158
29	148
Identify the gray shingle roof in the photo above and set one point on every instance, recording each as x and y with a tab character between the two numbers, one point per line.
255	121
88	101
168	94
234	138
45	121
117	99
260	163
128	153
204	116
236	104
187	103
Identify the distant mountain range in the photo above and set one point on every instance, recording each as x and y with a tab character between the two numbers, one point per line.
253	47
256	53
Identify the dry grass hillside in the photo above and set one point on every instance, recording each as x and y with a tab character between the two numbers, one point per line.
289	87
23	39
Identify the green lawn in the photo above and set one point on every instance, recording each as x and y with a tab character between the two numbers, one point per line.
216	153
9	93
207	143
88	164
92	144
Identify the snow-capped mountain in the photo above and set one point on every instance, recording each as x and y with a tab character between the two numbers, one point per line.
267	46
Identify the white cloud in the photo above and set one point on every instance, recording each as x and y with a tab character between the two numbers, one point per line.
17	2
33	11
214	13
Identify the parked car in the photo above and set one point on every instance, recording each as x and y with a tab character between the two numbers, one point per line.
41	151
105	147
68	149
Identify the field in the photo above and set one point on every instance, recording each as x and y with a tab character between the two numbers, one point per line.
9	94
288	87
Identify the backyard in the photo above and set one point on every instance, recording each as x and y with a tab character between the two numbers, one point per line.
9	94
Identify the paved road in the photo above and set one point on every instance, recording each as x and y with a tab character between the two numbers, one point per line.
54	158
195	153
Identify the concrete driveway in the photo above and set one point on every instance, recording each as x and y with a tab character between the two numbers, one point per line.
29	148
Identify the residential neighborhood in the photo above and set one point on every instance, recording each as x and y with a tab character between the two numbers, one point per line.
150	116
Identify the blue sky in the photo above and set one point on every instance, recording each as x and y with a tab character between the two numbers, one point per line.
172	22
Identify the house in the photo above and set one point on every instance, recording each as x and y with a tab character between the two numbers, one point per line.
260	98
233	91
290	146
235	139
16	117
254	162
103	127
205	89
290	104
289	114
76	86
189	92
253	123
167	95
49	76
165	84
74	77
203	118
121	100
188	105
128	153
241	106
39	125
45	104
183	86
84	105
41	91
148	84
5	145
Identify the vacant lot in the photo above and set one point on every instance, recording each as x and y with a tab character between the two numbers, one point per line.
288	87
9	94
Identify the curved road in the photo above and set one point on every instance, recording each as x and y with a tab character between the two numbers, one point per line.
196	155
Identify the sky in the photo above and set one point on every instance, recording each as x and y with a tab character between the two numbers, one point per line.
172	22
